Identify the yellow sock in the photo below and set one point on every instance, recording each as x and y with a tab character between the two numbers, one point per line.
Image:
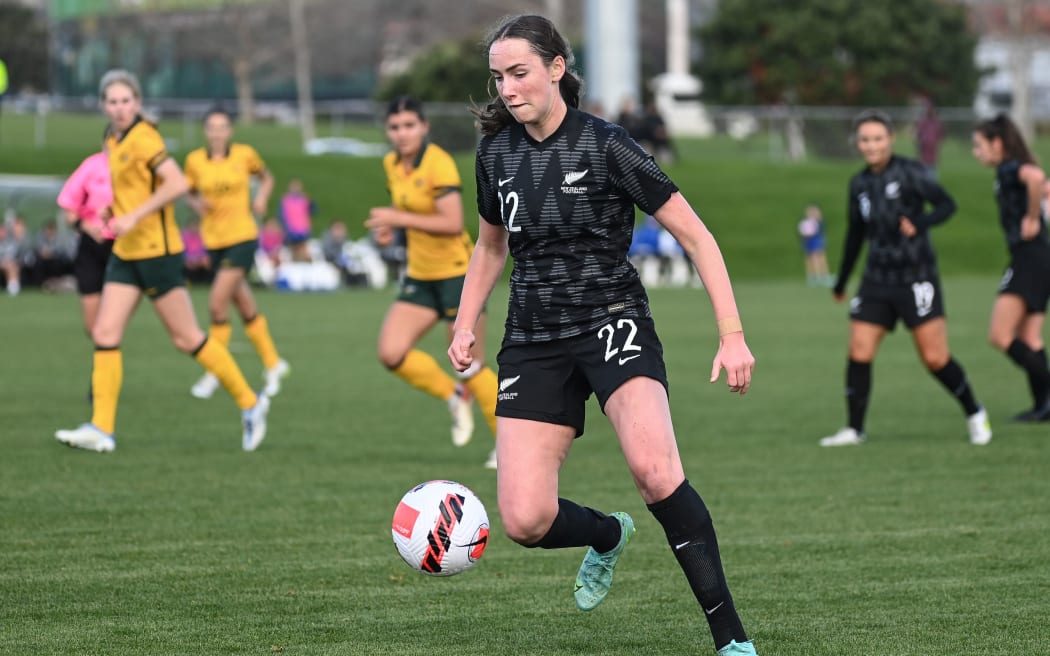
258	332
214	357
107	375
423	372
484	387
221	332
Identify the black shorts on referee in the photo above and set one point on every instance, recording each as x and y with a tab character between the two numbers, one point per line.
89	264
551	381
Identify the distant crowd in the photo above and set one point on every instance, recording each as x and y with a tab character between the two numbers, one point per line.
289	257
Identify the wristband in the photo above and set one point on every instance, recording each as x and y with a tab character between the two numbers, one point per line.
729	325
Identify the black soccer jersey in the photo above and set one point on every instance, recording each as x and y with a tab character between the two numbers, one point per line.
876	203
1012	196
568	204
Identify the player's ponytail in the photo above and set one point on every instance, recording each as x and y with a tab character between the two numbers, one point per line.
1002	128
545	41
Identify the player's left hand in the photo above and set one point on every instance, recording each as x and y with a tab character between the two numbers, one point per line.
908	228
259	207
735	357
459	351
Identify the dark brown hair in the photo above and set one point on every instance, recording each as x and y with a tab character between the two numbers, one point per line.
405	104
873	116
1002	128
217	111
544	40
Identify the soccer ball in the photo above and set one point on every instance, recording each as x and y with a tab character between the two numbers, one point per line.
440	528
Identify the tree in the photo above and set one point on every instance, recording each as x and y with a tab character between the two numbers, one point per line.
838	52
451	71
23	47
247	38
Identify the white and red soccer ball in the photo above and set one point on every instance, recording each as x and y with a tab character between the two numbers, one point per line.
440	528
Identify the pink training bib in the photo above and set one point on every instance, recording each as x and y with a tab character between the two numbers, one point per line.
89	192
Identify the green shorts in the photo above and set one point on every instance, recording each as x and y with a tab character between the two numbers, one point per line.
155	276
237	256
442	296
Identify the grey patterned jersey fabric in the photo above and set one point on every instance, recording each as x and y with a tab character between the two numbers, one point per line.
877	201
1011	194
568	205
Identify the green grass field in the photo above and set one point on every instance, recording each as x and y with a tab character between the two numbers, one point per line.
915	544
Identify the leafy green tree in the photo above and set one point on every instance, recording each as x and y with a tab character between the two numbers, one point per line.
451	71
23	47
838	52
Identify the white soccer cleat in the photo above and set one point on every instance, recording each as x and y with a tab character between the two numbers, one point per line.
980	428
206	386
492	462
88	437
254	421
845	437
273	376
462	418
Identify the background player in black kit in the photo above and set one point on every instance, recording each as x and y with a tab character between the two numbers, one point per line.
887	207
557	189
1016	326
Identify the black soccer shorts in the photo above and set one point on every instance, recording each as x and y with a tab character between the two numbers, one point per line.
551	381
914	304
1028	276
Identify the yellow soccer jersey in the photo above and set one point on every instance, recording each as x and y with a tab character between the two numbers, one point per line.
225	184
430	257
133	159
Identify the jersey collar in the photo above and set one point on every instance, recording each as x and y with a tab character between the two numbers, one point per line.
419	156
573	117
120	137
225	154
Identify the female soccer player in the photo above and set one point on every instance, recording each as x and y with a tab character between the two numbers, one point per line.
1017	317
85	199
220	176
425	186
557	189
887	207
147	260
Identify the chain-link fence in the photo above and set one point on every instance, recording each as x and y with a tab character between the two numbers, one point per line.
780	132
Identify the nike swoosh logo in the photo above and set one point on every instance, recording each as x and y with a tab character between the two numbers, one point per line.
503	182
684	544
629	358
715	608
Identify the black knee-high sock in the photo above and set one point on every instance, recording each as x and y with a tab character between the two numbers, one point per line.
858	390
691	535
953	378
1039	393
1035	367
577	526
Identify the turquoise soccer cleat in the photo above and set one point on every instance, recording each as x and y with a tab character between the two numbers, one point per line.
735	648
596	573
